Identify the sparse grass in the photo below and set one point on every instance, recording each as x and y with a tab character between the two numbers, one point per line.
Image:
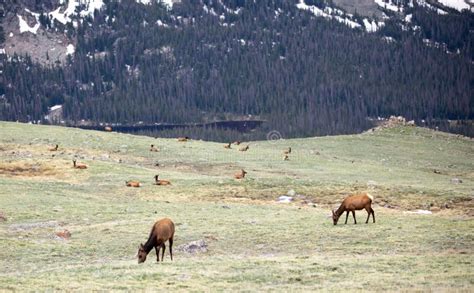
254	242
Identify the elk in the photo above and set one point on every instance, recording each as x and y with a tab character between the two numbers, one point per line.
240	174
236	142
153	148
78	165
244	149
54	149
132	183
353	203
184	138
227	146
288	151
161	181
108	128
162	231
286	158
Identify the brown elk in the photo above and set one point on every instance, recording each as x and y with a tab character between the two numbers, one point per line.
78	165
227	146
240	174
353	203
153	148
288	151
162	231
161	181
108	128
244	149
183	138
236	142
132	183
54	149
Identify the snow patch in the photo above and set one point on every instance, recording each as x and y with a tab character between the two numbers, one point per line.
328	12
457	4
388	5
70	49
24	27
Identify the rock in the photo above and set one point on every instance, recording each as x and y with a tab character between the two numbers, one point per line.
456	180
436	171
226	207
198	246
291	192
285	199
371	183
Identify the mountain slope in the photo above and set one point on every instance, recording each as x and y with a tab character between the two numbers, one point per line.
306	68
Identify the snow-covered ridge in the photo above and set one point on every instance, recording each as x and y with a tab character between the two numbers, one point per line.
338	15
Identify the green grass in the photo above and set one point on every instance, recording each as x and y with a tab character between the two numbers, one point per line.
253	242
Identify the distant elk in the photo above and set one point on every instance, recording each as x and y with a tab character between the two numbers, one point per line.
78	165
353	203
240	174
227	146
286	158
288	151
132	183
162	231
183	138
153	148
108	128
161	181
55	148
236	142
244	149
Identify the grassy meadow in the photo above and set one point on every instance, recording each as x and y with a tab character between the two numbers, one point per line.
254	243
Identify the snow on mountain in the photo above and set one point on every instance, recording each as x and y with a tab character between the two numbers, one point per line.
458	4
24	27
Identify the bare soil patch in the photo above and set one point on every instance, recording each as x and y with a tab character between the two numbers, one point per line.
27	169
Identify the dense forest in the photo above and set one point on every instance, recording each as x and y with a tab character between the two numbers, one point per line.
303	75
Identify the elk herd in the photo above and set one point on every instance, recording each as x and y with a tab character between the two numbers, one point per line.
164	229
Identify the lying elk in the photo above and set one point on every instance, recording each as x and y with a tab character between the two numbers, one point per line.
162	231
161	181
132	183
78	165
353	203
240	174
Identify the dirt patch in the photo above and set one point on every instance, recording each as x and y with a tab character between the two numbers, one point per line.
34	225
27	169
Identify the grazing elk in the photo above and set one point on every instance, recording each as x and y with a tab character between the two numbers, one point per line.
240	174
153	148
161	181
162	231
184	138
227	146
353	203
108	128
244	149
54	149
132	183
288	151
78	165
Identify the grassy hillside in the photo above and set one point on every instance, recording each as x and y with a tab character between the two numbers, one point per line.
253	241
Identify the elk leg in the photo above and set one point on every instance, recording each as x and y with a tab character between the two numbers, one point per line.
163	253
157	249
347	216
369	211
354	215
373	214
171	248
